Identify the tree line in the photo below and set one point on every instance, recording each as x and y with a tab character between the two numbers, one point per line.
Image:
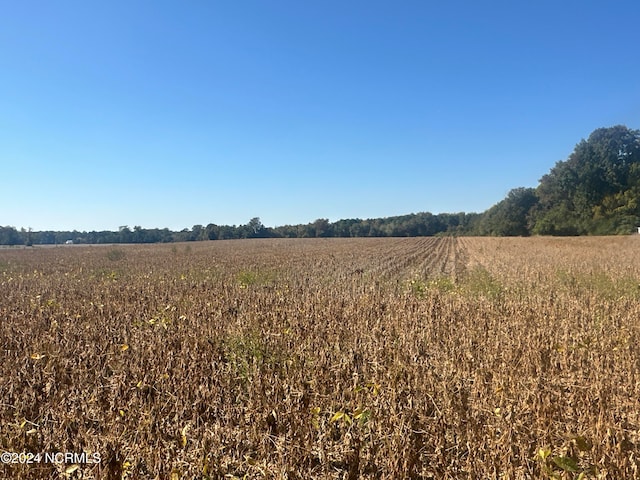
412	225
596	191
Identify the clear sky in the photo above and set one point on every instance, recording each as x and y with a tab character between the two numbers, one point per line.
175	113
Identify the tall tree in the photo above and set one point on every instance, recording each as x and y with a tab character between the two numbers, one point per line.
10	236
511	216
255	228
578	194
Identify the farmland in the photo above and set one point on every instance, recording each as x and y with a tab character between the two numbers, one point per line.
421	358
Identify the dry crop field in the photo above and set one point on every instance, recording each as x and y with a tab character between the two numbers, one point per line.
417	358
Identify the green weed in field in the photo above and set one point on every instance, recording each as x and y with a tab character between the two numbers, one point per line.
255	277
479	282
599	283
116	254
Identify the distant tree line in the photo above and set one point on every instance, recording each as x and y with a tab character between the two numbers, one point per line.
412	225
596	191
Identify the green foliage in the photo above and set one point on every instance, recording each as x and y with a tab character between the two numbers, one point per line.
107	274
476	282
245	352
443	284
558	220
255	228
574	463
567	464
511	216
247	278
10	236
418	287
600	284
421	287
116	254
479	281
4	266
242	351
596	190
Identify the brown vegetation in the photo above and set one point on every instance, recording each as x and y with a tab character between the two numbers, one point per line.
422	358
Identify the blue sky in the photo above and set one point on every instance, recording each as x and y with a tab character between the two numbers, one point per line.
170	114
